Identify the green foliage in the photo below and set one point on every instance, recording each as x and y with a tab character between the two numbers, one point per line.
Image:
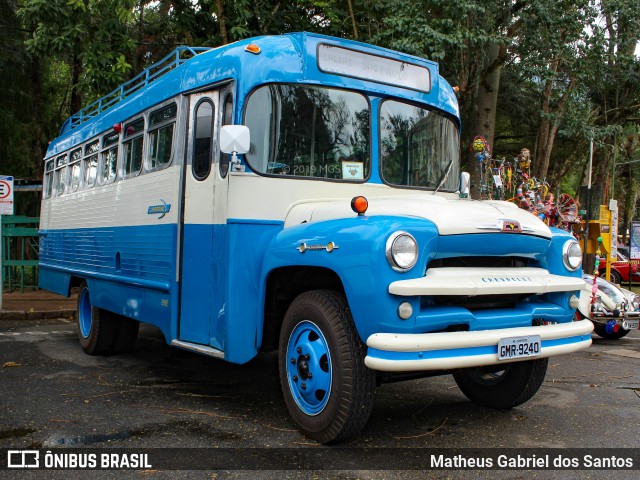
567	68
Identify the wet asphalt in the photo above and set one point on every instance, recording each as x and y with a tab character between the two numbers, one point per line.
52	395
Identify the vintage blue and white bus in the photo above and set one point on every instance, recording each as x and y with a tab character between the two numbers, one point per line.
302	193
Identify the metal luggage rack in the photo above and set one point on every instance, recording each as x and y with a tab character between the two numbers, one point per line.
176	58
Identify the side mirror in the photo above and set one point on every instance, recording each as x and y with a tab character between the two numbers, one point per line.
465	181
235	139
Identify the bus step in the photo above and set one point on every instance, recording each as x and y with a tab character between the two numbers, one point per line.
198	348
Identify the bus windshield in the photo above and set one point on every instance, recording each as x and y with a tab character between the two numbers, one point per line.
419	147
309	131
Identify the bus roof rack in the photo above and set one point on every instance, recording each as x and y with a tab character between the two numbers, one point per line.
171	61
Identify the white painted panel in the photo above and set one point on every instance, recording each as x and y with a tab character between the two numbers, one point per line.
123	203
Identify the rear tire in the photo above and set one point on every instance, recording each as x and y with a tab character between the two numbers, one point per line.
502	386
127	335
96	330
101	332
326	386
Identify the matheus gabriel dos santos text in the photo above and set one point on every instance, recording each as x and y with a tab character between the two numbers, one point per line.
543	461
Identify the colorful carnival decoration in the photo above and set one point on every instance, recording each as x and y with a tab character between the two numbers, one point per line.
480	145
524	160
482	150
513	182
611	326
596	272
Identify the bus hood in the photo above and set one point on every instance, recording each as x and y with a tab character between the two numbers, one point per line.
451	216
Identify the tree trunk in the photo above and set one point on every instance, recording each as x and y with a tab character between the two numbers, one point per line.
353	20
76	95
484	118
629	203
38	122
548	129
222	22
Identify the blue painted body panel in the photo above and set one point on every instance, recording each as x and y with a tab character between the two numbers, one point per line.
365	273
203	285
141	286
248	250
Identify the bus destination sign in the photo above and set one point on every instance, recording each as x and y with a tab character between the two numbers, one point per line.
351	63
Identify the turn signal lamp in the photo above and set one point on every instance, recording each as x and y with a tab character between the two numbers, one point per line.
359	205
252	48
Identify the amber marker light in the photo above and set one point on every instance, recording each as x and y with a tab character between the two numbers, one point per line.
252	48
359	205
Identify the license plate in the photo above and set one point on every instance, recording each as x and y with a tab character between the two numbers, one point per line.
518	347
630	324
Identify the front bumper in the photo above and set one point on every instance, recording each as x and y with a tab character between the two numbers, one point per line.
391	352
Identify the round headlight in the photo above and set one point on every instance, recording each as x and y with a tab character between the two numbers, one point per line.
402	251
572	255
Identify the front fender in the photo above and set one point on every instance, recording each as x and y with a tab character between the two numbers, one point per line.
358	258
554	262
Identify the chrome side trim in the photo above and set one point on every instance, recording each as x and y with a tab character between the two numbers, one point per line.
196	347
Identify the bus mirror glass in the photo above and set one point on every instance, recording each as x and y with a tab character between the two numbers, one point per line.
235	139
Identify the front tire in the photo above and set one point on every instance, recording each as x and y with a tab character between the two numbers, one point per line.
502	386
326	386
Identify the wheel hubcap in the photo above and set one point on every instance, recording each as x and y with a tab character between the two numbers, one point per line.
309	368
84	313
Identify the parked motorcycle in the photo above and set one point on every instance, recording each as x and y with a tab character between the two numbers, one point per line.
614	312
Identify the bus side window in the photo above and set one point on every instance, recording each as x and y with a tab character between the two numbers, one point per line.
227	119
109	158
202	144
74	169
90	167
133	147
161	127
48	178
60	174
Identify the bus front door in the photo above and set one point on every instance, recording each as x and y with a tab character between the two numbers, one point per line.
204	193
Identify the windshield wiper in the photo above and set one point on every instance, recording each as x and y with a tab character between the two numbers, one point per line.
444	177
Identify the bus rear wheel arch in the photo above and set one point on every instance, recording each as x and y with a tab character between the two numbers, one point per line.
101	332
328	390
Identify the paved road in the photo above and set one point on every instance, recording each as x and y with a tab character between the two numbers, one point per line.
52	394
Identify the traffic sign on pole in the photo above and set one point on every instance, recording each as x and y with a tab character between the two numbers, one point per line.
6	208
6	195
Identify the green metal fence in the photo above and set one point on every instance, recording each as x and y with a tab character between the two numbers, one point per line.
20	252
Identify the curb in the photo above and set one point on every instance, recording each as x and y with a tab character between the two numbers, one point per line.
36	315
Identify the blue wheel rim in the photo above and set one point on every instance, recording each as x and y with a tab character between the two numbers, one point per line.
85	319
309	368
